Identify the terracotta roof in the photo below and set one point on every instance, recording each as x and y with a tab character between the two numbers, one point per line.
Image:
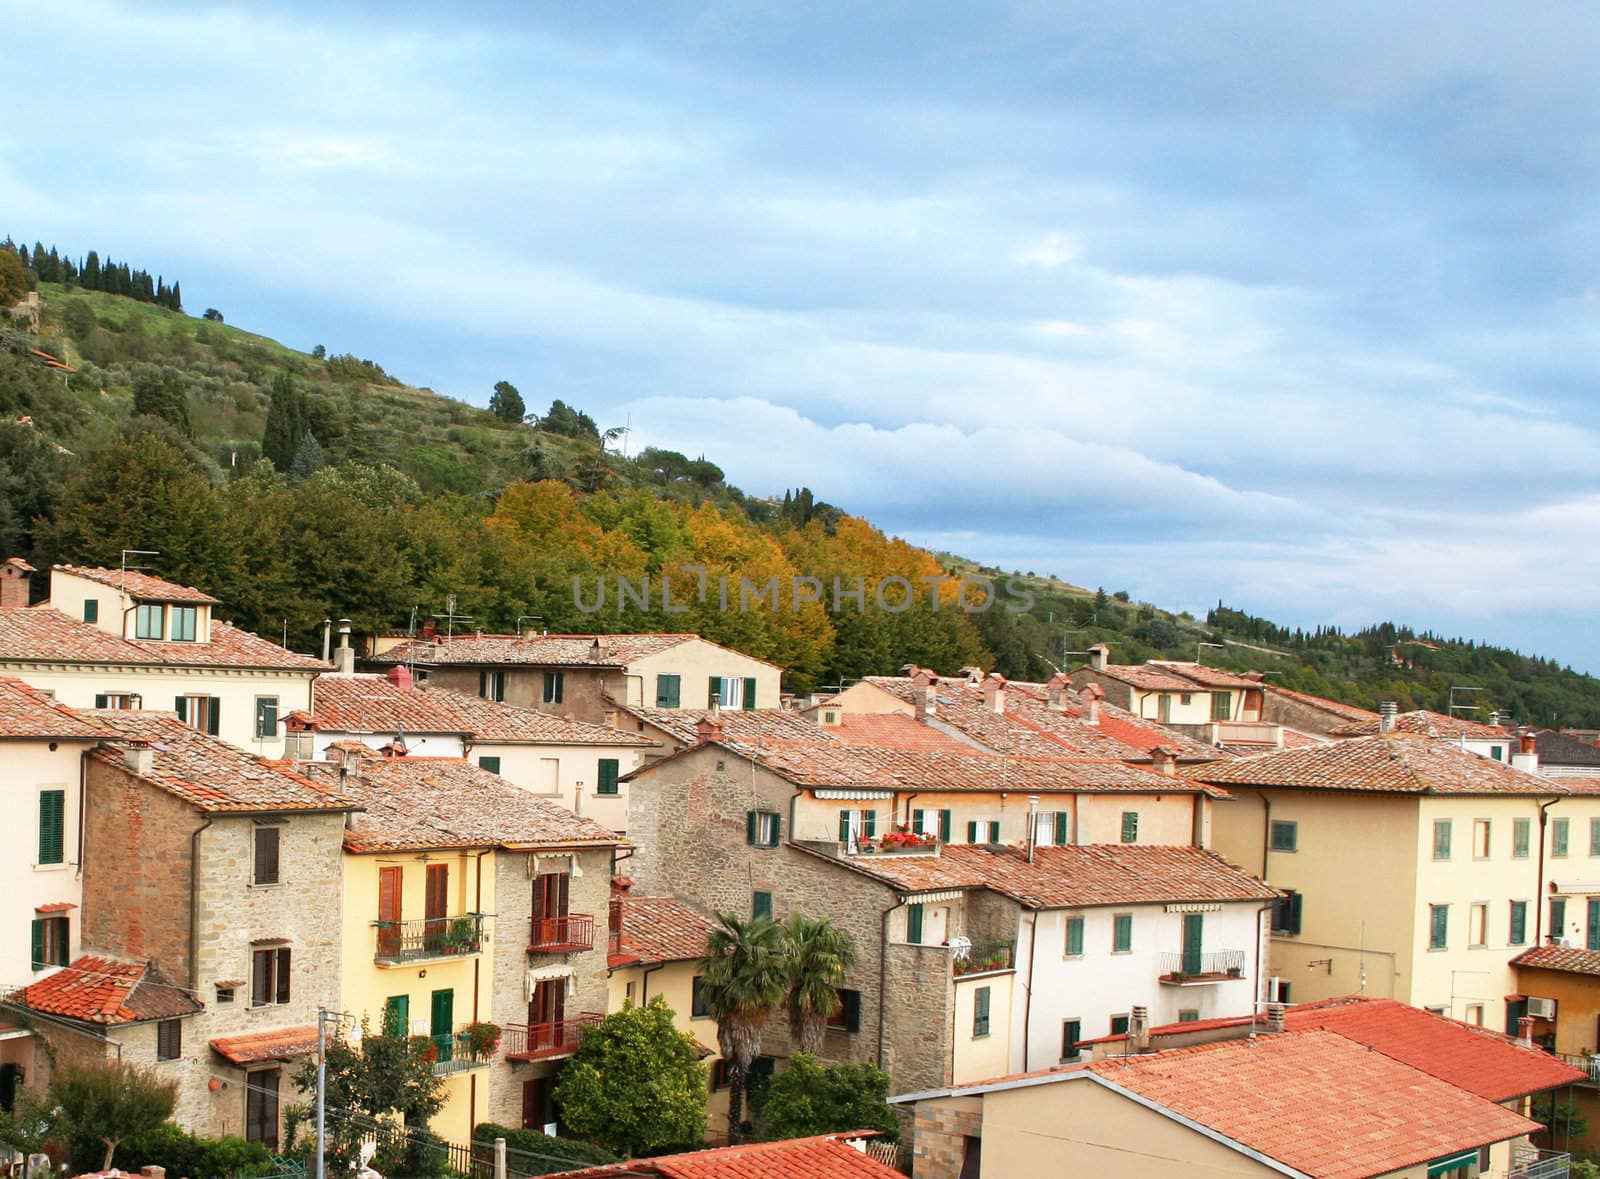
371	704
277	1044
210	774
1567	959
40	634
141	586
536	650
1558	749
893	730
27	713
660	929
1146	677
445	802
1206	677
1070	877
505	724
1322	703
763	724
1393	763
826	1157
1429	724
108	991
1317	1102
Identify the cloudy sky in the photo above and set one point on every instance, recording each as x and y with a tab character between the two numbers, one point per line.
1296	306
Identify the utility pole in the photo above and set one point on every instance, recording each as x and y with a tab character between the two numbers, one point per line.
322	1092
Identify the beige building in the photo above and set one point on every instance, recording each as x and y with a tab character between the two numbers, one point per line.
584	676
126	640
1173	692
1414	869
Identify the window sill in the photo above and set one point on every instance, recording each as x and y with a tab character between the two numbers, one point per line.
274	884
51	867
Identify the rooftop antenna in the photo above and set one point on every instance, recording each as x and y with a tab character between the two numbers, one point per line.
1199	647
450	617
528	617
126	553
1454	707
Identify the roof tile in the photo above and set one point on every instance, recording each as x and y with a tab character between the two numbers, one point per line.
109	991
26	712
824	1157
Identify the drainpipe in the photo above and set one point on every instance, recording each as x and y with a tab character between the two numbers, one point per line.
1266	831
883	970
1539	903
83	800
644	982
477	969
1033	828
194	907
1027	999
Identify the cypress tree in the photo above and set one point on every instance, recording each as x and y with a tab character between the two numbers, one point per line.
286	423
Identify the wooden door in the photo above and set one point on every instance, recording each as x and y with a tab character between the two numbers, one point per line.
261	1107
1193	927
546	1013
389	886
437	905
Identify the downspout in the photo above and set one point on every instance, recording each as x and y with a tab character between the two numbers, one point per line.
1027	999
477	969
644	982
1266	830
793	798
194	906
883	970
83	800
1539	904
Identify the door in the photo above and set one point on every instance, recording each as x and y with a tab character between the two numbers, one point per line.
546	1012
437	905
441	1021
389	882
1164	708
538	1105
8	1087
550	896
261	1107
1193	925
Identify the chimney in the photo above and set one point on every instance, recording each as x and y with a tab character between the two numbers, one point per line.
1091	695
1276	1013
922	693
139	759
1099	657
1526	758
327	639
974	674
1164	758
1055	692
1494	718
344	658
994	692
708	728
1139	1029
400	676
1525	1030
1033	824
14	583
1386	712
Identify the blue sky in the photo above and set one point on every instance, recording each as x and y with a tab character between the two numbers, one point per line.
1296	307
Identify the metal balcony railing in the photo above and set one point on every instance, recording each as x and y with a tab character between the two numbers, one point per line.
1588	1062
541	1041
981	957
454	1052
1217	966
1528	1162
431	937
575	931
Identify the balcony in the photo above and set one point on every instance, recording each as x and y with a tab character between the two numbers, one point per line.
981	957
1188	970
895	843
1588	1062
544	1041
1528	1162
403	942
556	935
455	1052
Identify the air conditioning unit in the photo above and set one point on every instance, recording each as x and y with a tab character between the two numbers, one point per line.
1541	1008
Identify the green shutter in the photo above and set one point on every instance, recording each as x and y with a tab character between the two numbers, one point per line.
1063	831
667	689
181	707
714	696
441	1016
972	831
749	693
1074	937
869	820
1219	706
492	764
214	718
980	1012
608	775
1558	916
52	826
1122	933
397	1015
944	826
1130	826
916	820
1519	922
844	826
1594	923
100	699
750	827
38	944
761	905
914	925
91	609
851	1001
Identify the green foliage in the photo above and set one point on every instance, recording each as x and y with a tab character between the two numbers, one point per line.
288	423
506	403
13	277
350	368
160	393
308	458
816	955
570	423
1565	1120
745	977
212	315
535	1153
808	1098
381	1077
182	1153
636	1083
97	1106
1585	1169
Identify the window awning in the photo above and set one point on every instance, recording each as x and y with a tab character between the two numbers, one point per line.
1455	1161
546	973
256	1047
929	898
852	795
1575	887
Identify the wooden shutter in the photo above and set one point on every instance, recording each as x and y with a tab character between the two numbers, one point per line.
749	693
750	827
1594	923
1130	826
869	820
844	826
944	826
667	691
38	944
52	826
851	1001
608	775
914	925
1063	832
261	978
397	1015
181	707
972	832
266	854
980	1012
1075	936
99	699
1219	706
916	820
441	1013
213	715
437	892
760	905
492	764
714	695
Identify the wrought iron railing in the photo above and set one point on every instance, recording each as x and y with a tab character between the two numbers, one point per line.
979	957
458	1051
575	931
538	1041
1217	965
429	937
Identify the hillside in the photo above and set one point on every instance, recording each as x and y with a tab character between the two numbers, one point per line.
153	442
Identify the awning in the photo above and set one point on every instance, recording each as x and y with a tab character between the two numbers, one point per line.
282	1044
1445	1166
546	973
929	898
1195	907
55	907
852	795
1575	887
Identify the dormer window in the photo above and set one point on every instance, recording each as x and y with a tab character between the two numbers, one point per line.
185	623
149	621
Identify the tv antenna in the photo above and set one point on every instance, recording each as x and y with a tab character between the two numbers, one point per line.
450	617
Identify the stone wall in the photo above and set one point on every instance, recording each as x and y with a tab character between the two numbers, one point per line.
584	690
939	1135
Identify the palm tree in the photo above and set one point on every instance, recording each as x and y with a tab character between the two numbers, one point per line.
818	954
744	976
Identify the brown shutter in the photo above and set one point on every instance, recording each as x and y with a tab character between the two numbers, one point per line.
438	899
283	975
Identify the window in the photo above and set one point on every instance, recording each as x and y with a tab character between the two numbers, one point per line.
1558	917
1220	701
149	622
1478	925
1475	1014
1122	933
1164	708
1594	923
1053	829
1185	697
266	718
52	826
930	822
983	831
120	701
261	1107
914	924
169	1039
698	1008
185	621
397	1015
846	1017
763	828
269	976
1189	1015
1438	927
608	776
1285	835
200	712
1498	752
669	691
224	993
1074	937
760	905
732	692
1480	839
266	855
857	825
1520	829
1071	1033
719	1075
1286	913
1594	837
1442	829
492	685
980	1012
1519	923
554	684
1130	826
51	938
492	764
91	609
1559	829
1119	1025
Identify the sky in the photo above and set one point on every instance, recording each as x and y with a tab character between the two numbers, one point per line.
1291	306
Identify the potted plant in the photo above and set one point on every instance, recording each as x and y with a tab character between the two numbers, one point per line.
483	1039
462	937
424	1048
1236	972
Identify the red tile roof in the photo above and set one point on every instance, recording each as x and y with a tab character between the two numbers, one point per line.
1429	724
28	714
826	1157
537	650
1393	763
1144	676
207	773
660	929
277	1044
1322	703
1567	959
1317	1102
1070	877
108	991
140	586
40	634
1206	677
505	724
893	730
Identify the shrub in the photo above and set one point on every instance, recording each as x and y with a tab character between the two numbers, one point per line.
556	1154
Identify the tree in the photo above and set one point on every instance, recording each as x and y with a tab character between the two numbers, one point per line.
573	423
212	314
817	954
808	1098
110	1101
308	458
636	1084
506	403
744	981
160	393
13	278
287	424
320	352
378	1078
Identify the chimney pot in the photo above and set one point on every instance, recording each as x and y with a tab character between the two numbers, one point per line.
1139	1029
1525	1030
1529	743
400	676
994	692
1099	657
140	759
1056	691
14	583
1091	695
1276	1017
708	728
1165	760
1386	715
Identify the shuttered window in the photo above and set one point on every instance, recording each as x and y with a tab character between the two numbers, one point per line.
1438	927
266	718
91	609
1130	826
944	826
1521	830
1286	913
1122	933
980	1012
50	942
763	828
1063	829
492	764
846	1017
1443	830
669	690
760	905
554	687
608	776
397	1015
52	826
169	1039
269	976
1071	1033
1519	923
266	855
1074	937
749	693
1559	829
914	925
1594	923
1219	706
